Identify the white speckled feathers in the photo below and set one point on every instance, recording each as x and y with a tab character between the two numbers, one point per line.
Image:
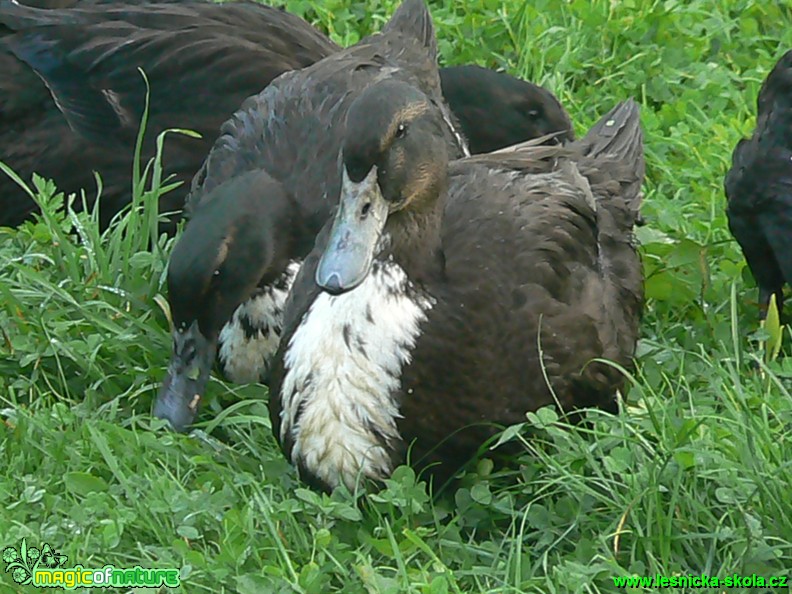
342	370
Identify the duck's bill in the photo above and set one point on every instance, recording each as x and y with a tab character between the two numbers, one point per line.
357	227
188	372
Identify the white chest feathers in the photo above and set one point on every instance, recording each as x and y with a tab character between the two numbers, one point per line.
249	341
342	371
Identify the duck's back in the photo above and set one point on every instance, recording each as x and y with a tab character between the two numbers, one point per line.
187	48
541	277
200	59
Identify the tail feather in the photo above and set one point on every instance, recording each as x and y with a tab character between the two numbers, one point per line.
617	134
613	153
413	18
613	163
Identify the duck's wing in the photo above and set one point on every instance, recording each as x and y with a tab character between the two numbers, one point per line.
201	59
34	137
23	96
287	130
542	236
774	220
610	157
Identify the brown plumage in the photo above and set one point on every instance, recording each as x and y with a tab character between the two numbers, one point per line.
202	60
268	185
465	282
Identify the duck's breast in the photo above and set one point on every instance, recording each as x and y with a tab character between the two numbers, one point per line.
342	376
249	341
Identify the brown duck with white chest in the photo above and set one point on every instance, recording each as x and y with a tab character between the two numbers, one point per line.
445	291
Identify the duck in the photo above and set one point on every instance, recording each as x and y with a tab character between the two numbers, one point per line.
202	60
231	293
449	295
267	187
758	188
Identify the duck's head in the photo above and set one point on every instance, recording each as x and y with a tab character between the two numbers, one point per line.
496	110
215	266
394	167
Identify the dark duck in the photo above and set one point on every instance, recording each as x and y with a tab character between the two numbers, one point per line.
446	293
267	187
202	60
199	58
759	188
232	269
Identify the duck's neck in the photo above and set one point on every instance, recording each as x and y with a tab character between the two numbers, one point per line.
414	241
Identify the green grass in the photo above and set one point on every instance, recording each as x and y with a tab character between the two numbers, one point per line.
694	477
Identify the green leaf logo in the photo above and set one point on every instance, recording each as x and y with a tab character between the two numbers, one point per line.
22	563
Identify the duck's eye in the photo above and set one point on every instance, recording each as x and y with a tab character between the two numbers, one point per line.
401	131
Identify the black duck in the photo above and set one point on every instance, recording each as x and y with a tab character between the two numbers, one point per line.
496	110
759	188
202	60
